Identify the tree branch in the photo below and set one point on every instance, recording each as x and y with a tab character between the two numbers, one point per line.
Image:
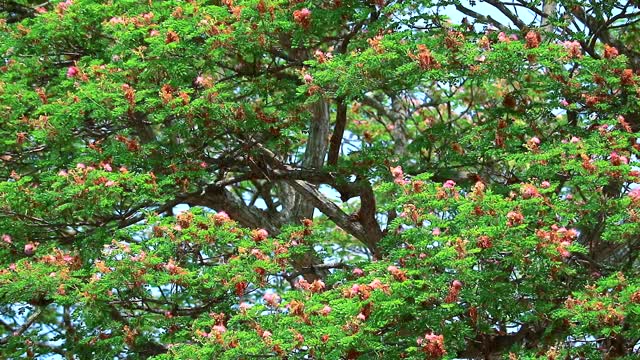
27	324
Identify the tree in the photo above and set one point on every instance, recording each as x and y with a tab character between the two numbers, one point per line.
319	179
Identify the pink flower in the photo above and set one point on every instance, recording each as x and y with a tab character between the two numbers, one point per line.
532	39
260	235
610	52
29	249
573	48
563	251
308	78
535	140
400	181
109	183
514	218
107	167
13	267
221	217
267	334
361	317
81	166
317	286
502	37
302	17
456	284
433	345
528	191
396	171
322	56
449	184
171	267
574	140
376	284
392	269
6	238
358	272
635	194
63	173
72	71
219	328
398	175
303	284
116	20
545	184
63	6
617	159
326	310
436	232
564	103
272	299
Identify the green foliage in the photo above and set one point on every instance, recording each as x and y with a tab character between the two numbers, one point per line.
318	180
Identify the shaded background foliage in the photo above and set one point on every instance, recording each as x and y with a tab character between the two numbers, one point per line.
319	179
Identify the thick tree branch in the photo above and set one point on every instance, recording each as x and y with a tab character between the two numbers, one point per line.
481	18
220	198
338	132
503	9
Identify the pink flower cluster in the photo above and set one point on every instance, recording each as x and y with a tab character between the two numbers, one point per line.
529	191
635	195
302	17
315	287
398	175
454	291
616	159
574	49
397	273
514	218
259	235
272	299
432	345
220	218
560	236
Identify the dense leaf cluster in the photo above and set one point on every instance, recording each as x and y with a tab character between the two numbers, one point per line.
294	179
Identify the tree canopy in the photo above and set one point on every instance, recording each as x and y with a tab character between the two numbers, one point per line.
336	179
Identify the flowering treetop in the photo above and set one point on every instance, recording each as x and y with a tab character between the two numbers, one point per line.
319	179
